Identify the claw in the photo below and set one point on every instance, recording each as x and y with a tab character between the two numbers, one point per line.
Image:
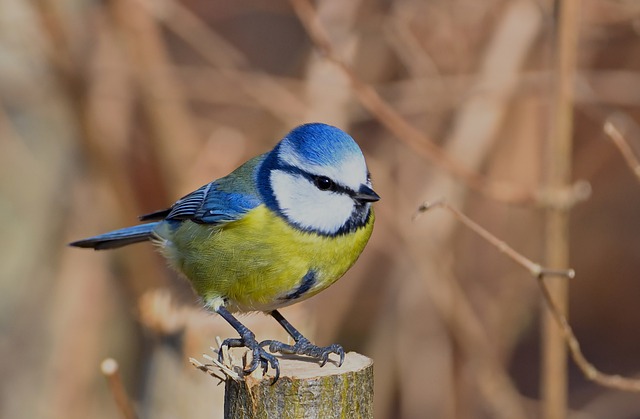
341	356
304	347
230	343
260	357
263	358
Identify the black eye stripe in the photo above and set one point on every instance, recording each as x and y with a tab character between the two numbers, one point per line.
335	187
360	216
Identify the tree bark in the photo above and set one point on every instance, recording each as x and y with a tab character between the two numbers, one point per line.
305	390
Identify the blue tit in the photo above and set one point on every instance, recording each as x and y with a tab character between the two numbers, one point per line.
279	229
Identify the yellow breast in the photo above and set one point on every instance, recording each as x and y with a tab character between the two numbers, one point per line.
259	262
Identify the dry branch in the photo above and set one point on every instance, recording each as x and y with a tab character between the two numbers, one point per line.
540	273
232	63
472	356
169	119
619	140
404	131
558	164
111	371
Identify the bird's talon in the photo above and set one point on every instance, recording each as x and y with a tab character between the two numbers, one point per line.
229	343
251	368
324	360
260	357
265	366
304	347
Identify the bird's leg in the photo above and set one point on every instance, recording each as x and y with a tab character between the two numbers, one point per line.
248	339
302	345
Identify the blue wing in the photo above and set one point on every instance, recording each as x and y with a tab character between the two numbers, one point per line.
208	205
223	200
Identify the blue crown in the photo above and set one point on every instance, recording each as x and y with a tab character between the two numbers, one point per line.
321	144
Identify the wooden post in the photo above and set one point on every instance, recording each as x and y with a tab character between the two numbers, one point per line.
305	390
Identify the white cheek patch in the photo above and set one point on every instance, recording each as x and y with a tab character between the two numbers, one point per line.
309	207
350	172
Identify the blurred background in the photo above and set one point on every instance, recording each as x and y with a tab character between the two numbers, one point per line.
111	109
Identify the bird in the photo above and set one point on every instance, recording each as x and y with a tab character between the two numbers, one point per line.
279	229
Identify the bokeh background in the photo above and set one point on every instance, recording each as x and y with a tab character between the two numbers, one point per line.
111	109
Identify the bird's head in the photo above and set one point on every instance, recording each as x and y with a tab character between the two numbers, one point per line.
317	179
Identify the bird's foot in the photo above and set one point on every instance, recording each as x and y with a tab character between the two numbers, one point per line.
304	347
260	357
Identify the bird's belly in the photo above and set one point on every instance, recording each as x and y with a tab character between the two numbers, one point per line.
260	262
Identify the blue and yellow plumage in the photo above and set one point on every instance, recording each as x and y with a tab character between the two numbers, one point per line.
279	229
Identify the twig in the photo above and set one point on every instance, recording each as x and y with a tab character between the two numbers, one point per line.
620	141
409	50
220	370
206	368
614	381
152	67
111	371
539	272
232	63
472	135
558	161
398	125
496	389
535	269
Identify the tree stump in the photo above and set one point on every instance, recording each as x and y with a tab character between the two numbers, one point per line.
305	390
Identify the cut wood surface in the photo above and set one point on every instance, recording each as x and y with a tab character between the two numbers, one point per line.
305	390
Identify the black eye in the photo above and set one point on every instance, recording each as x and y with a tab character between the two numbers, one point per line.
323	183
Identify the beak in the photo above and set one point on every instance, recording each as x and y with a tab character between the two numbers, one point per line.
366	194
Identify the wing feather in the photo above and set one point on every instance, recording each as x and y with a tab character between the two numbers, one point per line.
207	205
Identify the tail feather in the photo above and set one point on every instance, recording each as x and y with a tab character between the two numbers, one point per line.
118	238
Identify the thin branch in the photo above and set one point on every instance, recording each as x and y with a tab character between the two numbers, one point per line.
142	40
539	272
111	371
498	393
613	381
220	370
611	129
231	62
398	125
409	50
557	163
535	269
